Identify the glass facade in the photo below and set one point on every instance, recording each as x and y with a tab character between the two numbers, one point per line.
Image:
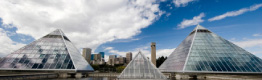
141	68
211	53
92	56
53	51
102	54
177	59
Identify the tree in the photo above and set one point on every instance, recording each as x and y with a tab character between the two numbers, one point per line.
160	60
108	68
96	67
120	69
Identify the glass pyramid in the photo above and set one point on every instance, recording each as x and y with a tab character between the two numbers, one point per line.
141	68
204	51
51	52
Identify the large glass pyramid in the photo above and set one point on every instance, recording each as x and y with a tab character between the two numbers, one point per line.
51	52
141	68
204	51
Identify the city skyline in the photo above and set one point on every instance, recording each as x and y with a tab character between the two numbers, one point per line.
131	39
166	23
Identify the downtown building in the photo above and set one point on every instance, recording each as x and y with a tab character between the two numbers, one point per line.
86	53
205	52
97	59
53	52
120	60
102	54
128	57
111	60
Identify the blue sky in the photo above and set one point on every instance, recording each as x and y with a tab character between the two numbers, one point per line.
167	35
115	30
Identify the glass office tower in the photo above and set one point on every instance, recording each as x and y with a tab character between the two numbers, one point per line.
102	54
141	68
92	56
205	52
51	52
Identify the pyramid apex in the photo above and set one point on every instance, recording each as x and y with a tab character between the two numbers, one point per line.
199	27
53	45
144	66
59	29
204	44
57	32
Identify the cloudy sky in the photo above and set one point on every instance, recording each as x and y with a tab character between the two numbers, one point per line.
121	26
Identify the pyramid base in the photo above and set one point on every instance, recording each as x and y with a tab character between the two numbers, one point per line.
201	75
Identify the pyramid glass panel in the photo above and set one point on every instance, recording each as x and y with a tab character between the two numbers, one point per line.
141	68
211	53
51	52
177	60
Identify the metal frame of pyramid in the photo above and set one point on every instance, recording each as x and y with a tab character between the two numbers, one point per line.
53	52
205	52
141	68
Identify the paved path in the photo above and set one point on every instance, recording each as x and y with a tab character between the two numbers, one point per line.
26	76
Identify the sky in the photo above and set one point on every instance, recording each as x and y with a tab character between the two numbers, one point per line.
120	26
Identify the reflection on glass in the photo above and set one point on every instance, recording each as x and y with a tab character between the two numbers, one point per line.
49	52
141	68
209	52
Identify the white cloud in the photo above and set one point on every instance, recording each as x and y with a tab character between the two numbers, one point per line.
181	3
24	39
236	13
168	14
7	45
196	20
164	52
106	58
87	23
109	48
252	45
145	50
249	43
257	35
257	52
126	40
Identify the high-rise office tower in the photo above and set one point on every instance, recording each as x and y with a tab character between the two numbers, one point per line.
97	57
111	60
116	61
153	53
102	54
122	60
87	54
128	57
92	56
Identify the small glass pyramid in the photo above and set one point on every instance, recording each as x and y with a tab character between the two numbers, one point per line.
51	52
141	68
204	51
